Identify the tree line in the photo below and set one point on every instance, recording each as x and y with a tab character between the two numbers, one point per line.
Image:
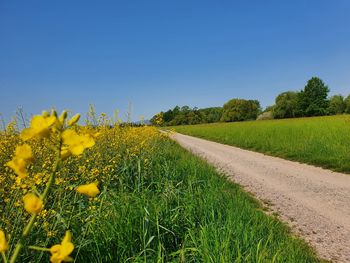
313	100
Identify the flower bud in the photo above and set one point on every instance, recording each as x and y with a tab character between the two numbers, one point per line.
63	117
53	112
74	119
45	114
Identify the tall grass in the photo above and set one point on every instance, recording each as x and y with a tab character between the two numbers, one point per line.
323	141
183	211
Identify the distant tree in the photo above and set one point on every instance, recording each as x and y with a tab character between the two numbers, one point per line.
240	110
347	104
286	105
168	116
210	115
193	117
157	119
336	105
312	101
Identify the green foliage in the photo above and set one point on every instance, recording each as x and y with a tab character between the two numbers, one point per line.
185	115
286	105
347	104
312	101
158	119
269	108
240	110
336	105
323	141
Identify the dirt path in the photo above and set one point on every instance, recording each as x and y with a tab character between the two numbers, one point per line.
313	201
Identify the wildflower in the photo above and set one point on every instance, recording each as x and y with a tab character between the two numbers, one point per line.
74	119
75	143
39	127
19	163
19	166
3	242
32	203
62	251
24	152
90	190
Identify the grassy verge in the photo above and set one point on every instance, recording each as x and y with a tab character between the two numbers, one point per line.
158	203
323	141
181	210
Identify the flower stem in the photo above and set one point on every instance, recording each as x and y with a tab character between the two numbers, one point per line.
30	224
39	248
4	257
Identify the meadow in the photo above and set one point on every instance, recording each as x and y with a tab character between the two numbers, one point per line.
109	193
321	141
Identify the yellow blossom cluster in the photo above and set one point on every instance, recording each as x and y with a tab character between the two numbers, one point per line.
72	160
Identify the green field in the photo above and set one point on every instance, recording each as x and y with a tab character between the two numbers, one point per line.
322	141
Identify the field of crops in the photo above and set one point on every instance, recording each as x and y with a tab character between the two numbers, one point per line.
125	194
322	141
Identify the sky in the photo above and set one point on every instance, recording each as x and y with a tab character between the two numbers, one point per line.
159	54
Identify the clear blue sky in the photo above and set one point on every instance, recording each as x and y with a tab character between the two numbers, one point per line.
158	54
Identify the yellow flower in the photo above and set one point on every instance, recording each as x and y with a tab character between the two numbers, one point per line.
62	251
90	190
24	152
3	242
39	127
19	166
32	203
19	163
75	143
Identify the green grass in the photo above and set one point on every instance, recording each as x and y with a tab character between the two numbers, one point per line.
322	141
181	210
176	208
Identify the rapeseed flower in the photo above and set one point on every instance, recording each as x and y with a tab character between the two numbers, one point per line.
19	166
32	203
40	126
3	242
24	152
61	252
90	190
74	143
23	156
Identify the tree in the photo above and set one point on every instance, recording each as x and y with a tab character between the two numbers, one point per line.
312	101
168	116
210	115
336	105
157	119
240	110
286	105
347	104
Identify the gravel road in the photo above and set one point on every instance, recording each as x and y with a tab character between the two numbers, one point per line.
315	202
